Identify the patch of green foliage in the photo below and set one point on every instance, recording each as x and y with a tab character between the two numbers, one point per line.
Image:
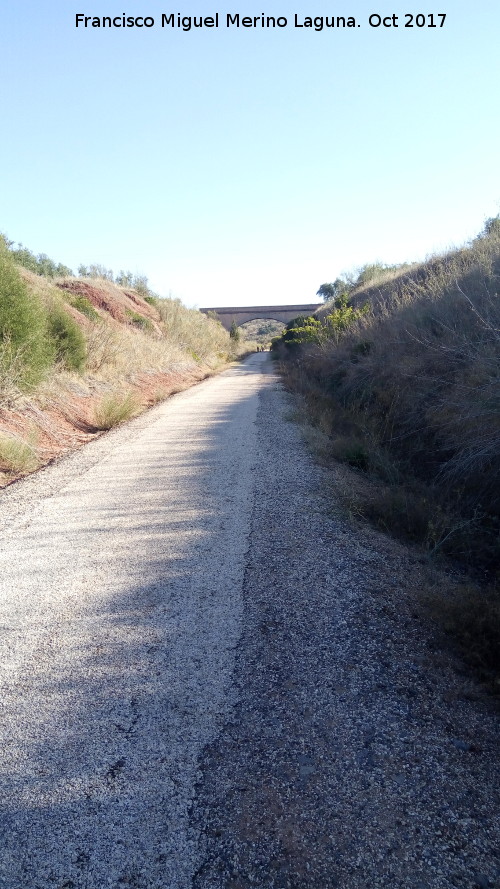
68	339
302	330
140	321
312	330
83	305
25	349
342	317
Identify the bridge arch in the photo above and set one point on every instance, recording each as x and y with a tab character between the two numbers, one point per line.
241	314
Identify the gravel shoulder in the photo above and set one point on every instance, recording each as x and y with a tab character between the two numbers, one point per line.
358	755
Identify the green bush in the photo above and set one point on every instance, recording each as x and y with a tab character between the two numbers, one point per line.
68	339
342	317
25	350
302	330
312	330
140	321
83	305
351	451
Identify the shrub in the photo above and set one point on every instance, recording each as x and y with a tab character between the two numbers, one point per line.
472	618
302	330
351	451
115	409
68	339
83	305
17	455
25	350
140	321
138	283
342	317
313	330
103	346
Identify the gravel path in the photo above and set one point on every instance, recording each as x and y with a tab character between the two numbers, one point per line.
121	572
210	682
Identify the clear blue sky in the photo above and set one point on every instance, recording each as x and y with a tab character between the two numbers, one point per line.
237	166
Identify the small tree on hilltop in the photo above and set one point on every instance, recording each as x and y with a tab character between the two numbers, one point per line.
334	290
326	291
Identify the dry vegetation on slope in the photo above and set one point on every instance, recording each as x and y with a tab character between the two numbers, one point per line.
406	390
78	355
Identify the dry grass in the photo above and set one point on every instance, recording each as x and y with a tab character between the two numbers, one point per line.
412	391
17	455
185	338
120	352
409	396
196	334
115	408
11	373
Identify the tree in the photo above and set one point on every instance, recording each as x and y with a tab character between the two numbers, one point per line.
235	332
326	291
95	270
336	288
124	279
40	265
492	226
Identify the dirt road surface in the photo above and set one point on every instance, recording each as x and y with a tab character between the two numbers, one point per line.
210	681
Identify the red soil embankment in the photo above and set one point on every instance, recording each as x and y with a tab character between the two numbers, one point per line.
66	419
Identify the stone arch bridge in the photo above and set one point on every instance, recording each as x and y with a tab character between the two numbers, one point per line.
241	314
